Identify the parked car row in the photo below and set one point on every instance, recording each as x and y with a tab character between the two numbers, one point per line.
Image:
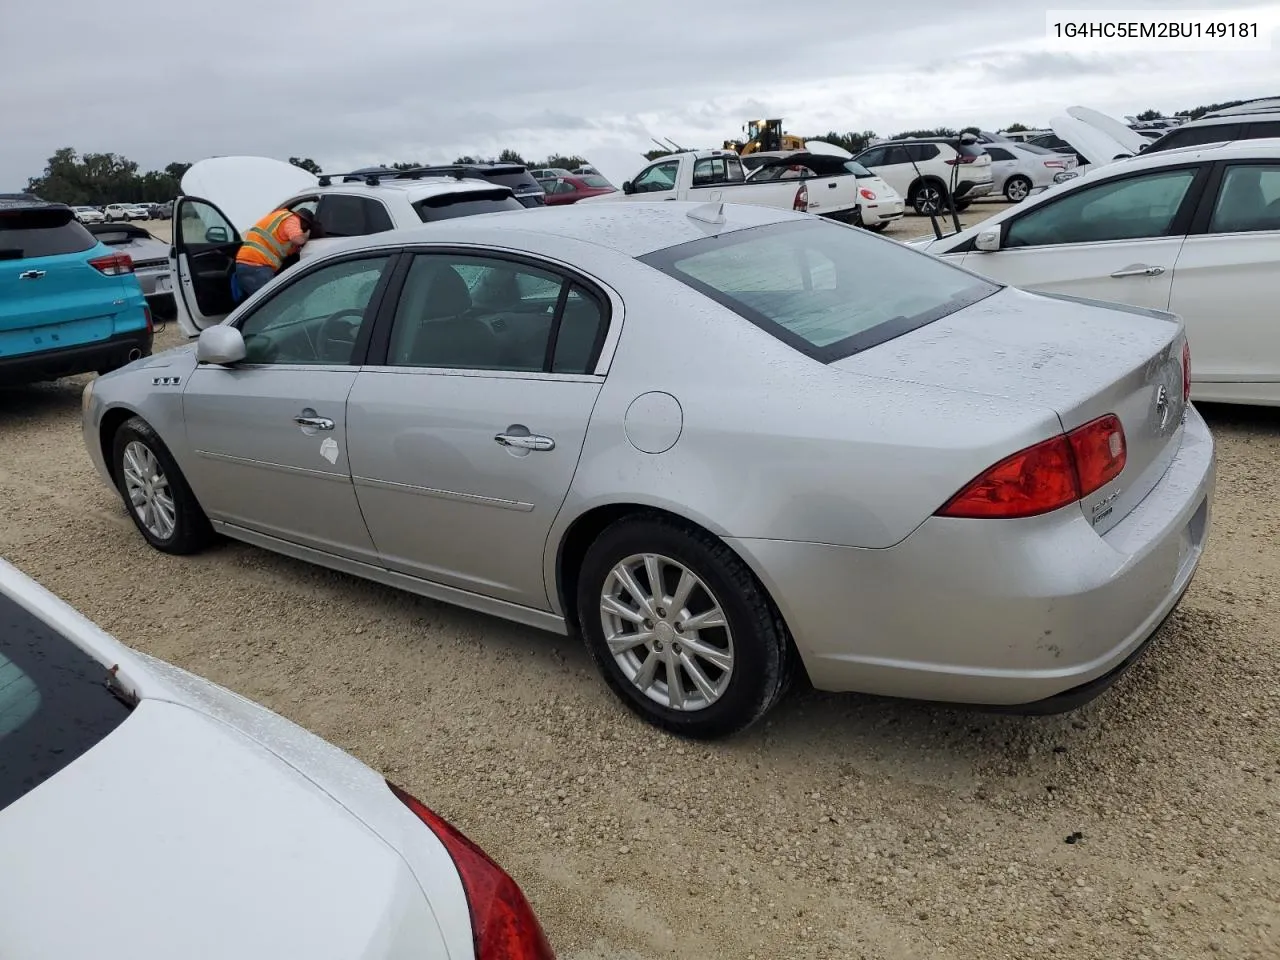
123	212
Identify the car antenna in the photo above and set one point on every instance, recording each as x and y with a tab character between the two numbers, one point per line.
708	212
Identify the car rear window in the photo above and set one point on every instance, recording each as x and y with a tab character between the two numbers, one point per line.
55	704
41	233
823	288
446	206
591	180
970	149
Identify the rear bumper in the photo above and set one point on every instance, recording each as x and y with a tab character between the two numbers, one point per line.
996	612
882	211
80	358
969	190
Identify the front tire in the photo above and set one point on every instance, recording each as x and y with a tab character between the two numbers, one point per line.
680	628
155	492
1017	189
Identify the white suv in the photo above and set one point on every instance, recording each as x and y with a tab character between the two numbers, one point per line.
223	197
1251	120
928	171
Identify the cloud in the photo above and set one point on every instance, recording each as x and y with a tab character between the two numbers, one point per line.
351	85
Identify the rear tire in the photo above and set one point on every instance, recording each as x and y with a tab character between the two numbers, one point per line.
720	637
155	492
928	198
1017	189
880	227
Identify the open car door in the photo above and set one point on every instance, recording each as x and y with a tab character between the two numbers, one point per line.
202	261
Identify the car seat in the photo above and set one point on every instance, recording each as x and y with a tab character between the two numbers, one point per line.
433	329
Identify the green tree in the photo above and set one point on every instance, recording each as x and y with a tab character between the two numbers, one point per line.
1150	115
95	178
1016	128
655	154
465	159
402	165
307	164
177	170
559	160
936	132
851	141
510	156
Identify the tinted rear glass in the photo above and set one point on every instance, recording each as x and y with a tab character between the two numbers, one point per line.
825	289
42	233
971	149
446	206
1196	136
591	180
54	702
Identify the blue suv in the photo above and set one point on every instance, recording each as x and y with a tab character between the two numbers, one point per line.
68	303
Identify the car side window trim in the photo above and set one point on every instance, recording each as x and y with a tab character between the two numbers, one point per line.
379	345
1213	186
372	312
1178	226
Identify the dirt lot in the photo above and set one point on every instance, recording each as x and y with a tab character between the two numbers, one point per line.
846	827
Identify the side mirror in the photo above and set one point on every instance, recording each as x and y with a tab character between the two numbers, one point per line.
220	345
1143	148
216	235
627	187
988	240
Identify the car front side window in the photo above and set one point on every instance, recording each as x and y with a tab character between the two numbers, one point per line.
1133	208
317	318
657	179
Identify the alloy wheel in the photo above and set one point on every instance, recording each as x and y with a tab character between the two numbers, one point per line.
148	490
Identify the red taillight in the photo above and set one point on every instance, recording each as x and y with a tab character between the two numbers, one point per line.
1100	452
962	159
1056	164
867	194
113	264
801	201
502	922
1186	371
151	326
1047	476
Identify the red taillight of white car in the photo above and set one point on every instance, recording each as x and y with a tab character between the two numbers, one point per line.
1186	371
867	194
1056	164
801	202
1046	476
502	922
113	264
962	158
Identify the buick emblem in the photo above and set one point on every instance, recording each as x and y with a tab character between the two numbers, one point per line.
1162	406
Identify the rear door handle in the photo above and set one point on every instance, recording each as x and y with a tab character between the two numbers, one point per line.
533	442
31	274
319	423
1138	270
831	186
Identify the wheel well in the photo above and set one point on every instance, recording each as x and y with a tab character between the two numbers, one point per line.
921	181
583	532
112	421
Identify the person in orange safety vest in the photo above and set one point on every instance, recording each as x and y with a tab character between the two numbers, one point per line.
277	236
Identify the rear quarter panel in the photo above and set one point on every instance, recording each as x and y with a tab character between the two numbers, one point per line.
770	443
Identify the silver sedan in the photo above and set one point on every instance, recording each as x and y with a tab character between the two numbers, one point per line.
723	443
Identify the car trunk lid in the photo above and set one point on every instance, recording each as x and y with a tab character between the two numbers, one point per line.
50	293
1080	358
184	814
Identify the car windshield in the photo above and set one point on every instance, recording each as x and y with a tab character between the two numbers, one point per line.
857	169
823	288
55	704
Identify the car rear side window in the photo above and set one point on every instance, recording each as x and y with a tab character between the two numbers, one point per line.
55	703
42	233
970	149
1196	136
825	289
446	206
345	215
595	181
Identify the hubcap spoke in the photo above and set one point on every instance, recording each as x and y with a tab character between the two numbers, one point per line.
656	637
147	489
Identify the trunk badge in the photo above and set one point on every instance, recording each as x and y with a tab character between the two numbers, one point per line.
1162	406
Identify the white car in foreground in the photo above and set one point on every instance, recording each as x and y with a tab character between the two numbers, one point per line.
1195	231
146	813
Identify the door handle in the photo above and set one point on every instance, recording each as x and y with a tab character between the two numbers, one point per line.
1139	270
31	274
831	186
319	423
534	442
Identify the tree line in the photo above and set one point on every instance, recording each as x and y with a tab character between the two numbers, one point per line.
100	178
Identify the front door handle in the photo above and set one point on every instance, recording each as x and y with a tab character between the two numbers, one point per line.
317	423
533	442
1138	270
31	274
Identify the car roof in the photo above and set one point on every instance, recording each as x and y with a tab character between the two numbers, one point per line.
1228	116
1263	148
414	189
13	202
631	229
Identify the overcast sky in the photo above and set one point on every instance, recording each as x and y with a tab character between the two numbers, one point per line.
426	80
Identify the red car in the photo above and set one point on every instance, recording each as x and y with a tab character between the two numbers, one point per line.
564	190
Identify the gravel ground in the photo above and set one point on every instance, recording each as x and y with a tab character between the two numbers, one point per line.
1144	825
